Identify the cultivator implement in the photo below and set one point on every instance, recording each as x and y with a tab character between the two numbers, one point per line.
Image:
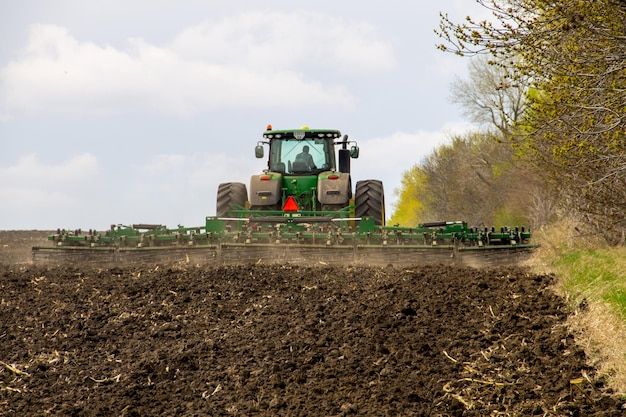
298	238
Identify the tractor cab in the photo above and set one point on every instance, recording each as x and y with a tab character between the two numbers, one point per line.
301	156
306	151
302	164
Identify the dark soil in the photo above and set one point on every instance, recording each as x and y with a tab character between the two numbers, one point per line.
186	340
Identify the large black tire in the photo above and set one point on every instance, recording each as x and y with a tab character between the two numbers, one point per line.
369	199
229	195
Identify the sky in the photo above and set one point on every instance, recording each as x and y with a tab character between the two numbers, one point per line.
117	112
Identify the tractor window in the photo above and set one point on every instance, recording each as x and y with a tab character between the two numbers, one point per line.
301	156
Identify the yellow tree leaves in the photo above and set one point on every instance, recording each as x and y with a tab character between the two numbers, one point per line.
573	55
475	178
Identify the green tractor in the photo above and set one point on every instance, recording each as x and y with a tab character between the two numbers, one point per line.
305	175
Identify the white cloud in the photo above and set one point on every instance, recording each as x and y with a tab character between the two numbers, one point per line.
273	41
161	164
30	172
386	158
197	168
192	174
404	149
173	188
30	189
253	60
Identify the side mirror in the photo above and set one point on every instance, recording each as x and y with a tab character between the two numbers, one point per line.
354	152
258	151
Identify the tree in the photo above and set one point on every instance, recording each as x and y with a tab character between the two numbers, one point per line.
479	177
475	178
575	55
489	97
410	206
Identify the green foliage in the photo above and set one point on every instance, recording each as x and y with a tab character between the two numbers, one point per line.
595	274
617	298
475	178
410	207
572	54
510	214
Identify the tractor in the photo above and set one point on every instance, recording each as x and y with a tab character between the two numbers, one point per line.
308	170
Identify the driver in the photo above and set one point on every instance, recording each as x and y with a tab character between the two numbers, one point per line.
306	158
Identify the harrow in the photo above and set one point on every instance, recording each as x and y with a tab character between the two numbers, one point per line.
302	237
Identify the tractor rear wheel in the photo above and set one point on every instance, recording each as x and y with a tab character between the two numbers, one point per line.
229	195
369	199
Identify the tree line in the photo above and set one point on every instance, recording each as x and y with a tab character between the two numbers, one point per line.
548	87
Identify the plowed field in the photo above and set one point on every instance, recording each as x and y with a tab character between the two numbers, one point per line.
190	340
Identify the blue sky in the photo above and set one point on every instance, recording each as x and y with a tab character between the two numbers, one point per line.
133	112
